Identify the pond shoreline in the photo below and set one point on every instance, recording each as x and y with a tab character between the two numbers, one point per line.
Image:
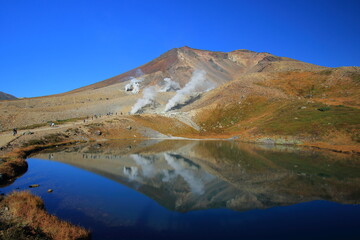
15	154
14	158
17	225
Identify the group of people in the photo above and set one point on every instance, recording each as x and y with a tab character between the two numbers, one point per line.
107	114
52	124
111	113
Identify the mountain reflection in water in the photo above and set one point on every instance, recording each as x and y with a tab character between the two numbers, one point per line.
192	175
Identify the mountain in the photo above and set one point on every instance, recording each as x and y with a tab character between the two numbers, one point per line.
256	97
179	63
5	96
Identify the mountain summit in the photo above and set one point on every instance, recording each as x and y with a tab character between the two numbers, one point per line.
179	63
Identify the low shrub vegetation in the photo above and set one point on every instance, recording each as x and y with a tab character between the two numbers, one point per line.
30	211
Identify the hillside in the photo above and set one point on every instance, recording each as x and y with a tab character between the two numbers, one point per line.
240	94
5	96
179	63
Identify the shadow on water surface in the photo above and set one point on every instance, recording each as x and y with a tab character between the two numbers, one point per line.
162	183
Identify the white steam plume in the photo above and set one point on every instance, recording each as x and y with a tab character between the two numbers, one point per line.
196	85
134	85
149	94
138	73
169	85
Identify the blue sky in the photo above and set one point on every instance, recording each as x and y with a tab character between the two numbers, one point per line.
52	46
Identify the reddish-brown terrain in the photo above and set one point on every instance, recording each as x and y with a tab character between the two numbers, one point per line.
254	97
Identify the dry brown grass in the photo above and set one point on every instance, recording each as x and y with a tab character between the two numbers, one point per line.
285	121
12	168
164	125
298	83
330	87
29	210
233	117
115	128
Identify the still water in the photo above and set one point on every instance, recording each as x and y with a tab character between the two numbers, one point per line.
199	190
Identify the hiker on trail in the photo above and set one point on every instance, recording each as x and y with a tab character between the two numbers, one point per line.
14	131
52	124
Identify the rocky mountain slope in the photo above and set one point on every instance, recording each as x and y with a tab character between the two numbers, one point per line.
179	63
240	94
5	96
